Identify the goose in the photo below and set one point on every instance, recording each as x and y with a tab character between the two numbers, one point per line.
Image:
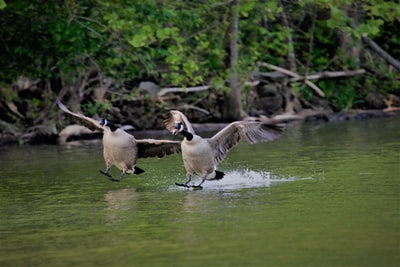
122	149
201	156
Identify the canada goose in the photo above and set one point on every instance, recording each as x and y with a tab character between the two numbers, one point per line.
202	155
122	149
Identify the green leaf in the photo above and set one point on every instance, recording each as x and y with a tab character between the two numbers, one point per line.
2	4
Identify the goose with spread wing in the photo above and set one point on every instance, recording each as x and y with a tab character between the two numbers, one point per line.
122	149
201	156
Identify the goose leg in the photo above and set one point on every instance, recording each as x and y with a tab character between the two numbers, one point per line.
106	172
120	177
199	185
189	178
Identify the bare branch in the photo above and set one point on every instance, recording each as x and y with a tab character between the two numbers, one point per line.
202	110
331	74
164	91
294	75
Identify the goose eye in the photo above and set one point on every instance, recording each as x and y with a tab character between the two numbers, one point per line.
102	122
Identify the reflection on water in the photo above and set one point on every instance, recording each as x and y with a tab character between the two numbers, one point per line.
118	202
322	195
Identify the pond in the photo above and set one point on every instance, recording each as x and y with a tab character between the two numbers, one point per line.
322	195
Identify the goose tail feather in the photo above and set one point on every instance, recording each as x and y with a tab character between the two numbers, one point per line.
218	176
138	170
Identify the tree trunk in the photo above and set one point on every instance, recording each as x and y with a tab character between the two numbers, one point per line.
350	47
286	91
291	56
232	109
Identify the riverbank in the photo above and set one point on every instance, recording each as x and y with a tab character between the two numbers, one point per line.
76	132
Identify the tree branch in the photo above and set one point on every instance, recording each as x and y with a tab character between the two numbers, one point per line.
294	75
374	46
164	91
331	74
310	43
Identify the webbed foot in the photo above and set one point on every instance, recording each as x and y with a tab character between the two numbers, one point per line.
105	173
196	187
184	185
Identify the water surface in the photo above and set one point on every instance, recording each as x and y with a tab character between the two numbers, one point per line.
322	195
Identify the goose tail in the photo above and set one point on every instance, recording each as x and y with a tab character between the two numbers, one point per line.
218	176
136	170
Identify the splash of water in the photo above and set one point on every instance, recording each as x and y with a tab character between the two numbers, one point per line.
235	179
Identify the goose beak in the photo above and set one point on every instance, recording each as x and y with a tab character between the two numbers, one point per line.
174	131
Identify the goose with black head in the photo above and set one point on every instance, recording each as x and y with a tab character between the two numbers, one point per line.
121	148
201	156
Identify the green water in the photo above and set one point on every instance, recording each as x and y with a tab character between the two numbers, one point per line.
322	195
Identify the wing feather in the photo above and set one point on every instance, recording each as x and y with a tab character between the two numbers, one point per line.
90	123
231	135
157	148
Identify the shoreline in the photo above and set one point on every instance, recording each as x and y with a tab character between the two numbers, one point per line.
316	117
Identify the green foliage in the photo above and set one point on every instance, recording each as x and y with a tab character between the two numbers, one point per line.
2	4
342	93
48	39
93	108
186	43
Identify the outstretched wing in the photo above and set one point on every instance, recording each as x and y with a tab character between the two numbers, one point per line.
231	135
157	148
90	123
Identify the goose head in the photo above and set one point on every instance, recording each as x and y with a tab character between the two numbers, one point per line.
103	122
178	128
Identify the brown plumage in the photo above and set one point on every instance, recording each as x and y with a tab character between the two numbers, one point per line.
201	156
122	149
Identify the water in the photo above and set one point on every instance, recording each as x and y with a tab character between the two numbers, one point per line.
322	195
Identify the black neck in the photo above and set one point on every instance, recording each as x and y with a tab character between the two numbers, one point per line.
187	135
112	126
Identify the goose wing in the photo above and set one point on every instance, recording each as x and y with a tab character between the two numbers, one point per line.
90	123
157	148
174	116
232	134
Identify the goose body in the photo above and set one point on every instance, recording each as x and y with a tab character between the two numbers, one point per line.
198	156
122	149
201	156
